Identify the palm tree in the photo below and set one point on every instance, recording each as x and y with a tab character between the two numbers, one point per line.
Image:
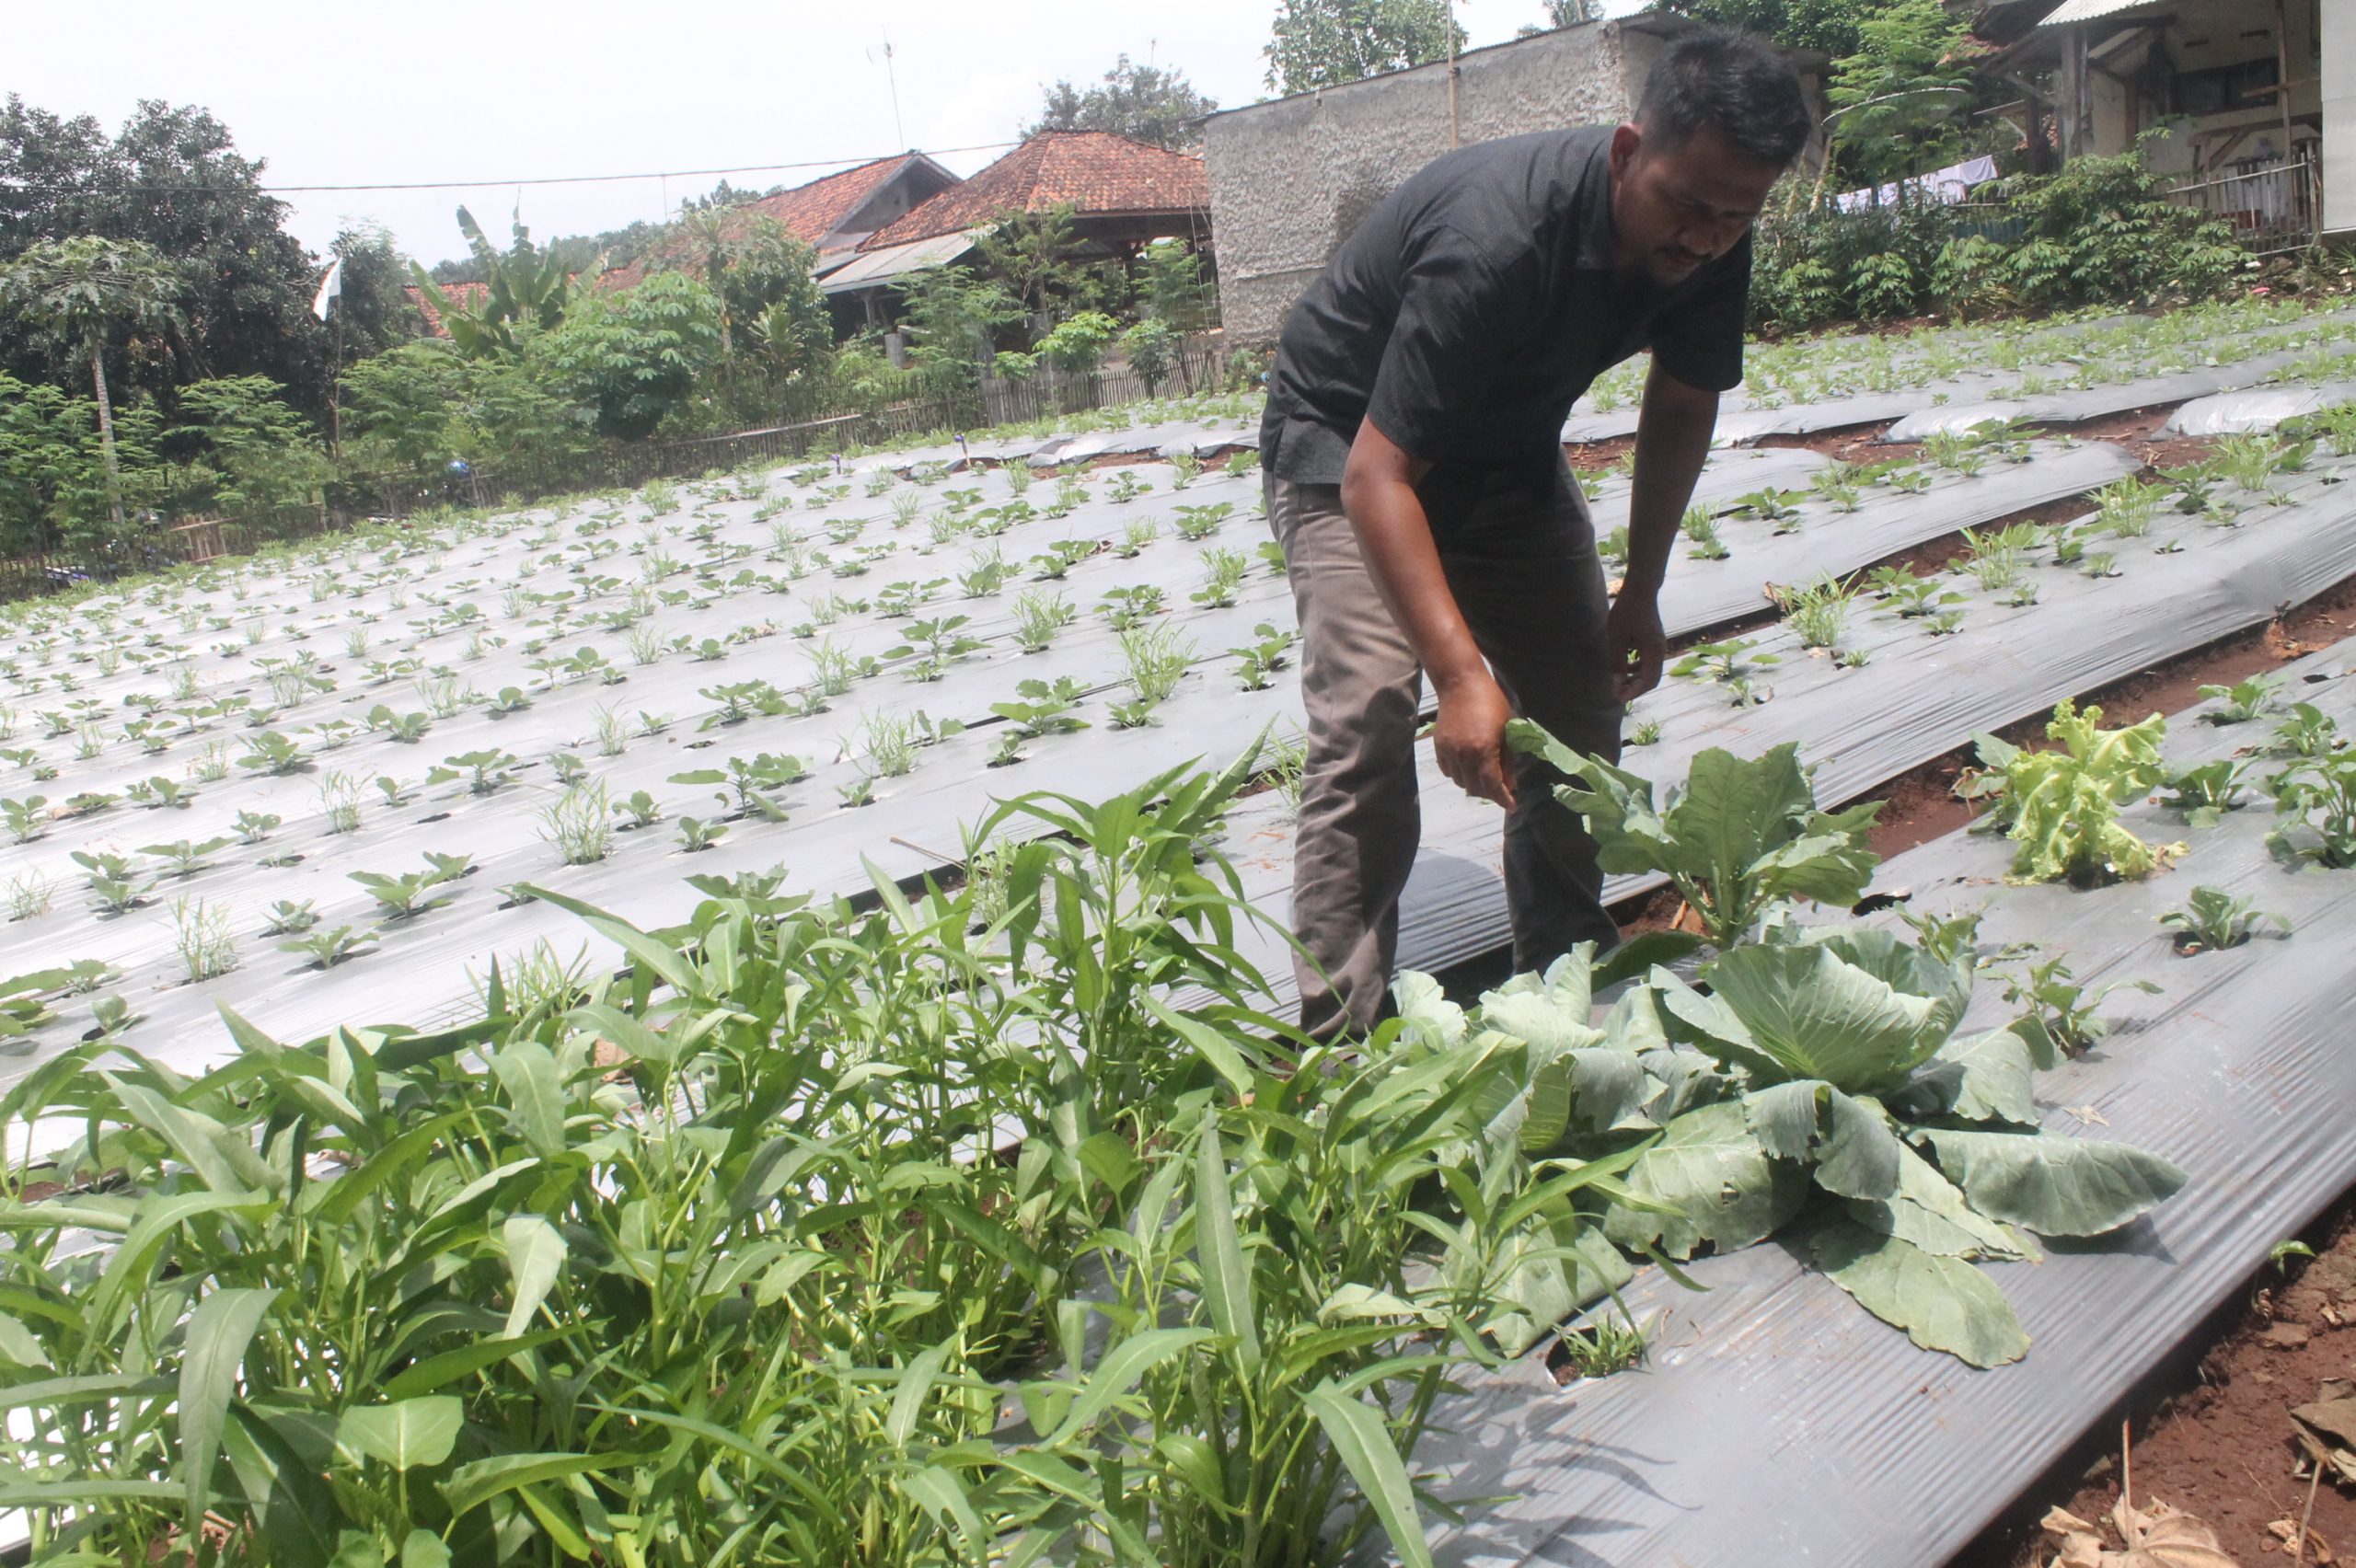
81	288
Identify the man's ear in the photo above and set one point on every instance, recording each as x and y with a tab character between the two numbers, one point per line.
1626	138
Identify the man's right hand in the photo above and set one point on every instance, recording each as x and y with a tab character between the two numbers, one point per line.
1470	738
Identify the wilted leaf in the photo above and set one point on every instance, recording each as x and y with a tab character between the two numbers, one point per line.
1846	1140
2157	1536
1987	1077
2055	1186
1942	1303
1708	1167
1929	1211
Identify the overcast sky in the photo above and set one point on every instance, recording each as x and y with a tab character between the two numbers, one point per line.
498	90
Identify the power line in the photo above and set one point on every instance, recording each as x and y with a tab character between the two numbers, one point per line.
548	179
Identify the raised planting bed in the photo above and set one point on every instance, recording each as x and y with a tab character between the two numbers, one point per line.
2185	582
818	676
1773	1421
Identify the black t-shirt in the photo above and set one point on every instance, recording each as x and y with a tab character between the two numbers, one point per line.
1470	309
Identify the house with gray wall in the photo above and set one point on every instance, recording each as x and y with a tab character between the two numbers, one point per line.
1291	178
2246	108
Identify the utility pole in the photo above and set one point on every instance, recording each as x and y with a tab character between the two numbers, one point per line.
1448	15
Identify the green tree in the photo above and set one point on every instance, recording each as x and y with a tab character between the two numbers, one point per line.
1077	346
398	406
524	286
1152	347
257	456
1323	44
952	316
1036	253
1170	285
1145	103
171	179
375	313
771	287
1561	14
711	233
1830	26
413	409
53	478
1897	104
81	291
634	357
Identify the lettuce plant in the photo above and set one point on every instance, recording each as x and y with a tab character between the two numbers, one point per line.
1738	839
2060	807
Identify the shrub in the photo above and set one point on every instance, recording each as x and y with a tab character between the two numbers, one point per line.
1885	286
2101	231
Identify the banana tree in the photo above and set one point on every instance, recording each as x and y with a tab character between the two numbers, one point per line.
527	285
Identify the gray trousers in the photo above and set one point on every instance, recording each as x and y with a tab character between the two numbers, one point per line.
1521	558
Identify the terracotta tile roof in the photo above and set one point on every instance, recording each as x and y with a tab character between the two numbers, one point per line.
810	214
457	294
1096	172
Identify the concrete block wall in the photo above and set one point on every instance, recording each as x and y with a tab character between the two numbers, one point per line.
1291	178
2339	78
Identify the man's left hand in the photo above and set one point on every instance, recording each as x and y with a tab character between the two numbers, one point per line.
1636	643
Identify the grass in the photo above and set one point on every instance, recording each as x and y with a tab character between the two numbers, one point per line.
579	823
1156	658
1817	612
202	939
339	797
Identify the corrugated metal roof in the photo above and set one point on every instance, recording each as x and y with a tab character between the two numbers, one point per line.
2089	10
868	268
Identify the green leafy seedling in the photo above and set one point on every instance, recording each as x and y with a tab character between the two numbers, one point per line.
289	917
486	772
402	897
1740	837
27	819
328	949
186	858
271	752
2062	1017
2060	807
2242	701
2214	919
2207	791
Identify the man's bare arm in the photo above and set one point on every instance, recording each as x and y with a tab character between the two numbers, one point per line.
1672	440
1378	496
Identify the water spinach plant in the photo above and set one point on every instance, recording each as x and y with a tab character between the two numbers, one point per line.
822	1233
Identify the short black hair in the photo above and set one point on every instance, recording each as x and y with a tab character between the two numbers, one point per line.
1734	83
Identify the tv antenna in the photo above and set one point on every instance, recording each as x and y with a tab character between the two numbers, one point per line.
899	131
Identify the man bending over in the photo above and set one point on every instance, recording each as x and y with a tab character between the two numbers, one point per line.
1413	460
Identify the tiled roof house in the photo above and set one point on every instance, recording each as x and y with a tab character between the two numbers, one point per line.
1122	193
457	294
834	214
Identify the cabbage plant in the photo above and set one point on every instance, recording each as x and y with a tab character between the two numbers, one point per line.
1738	838
1815	1084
